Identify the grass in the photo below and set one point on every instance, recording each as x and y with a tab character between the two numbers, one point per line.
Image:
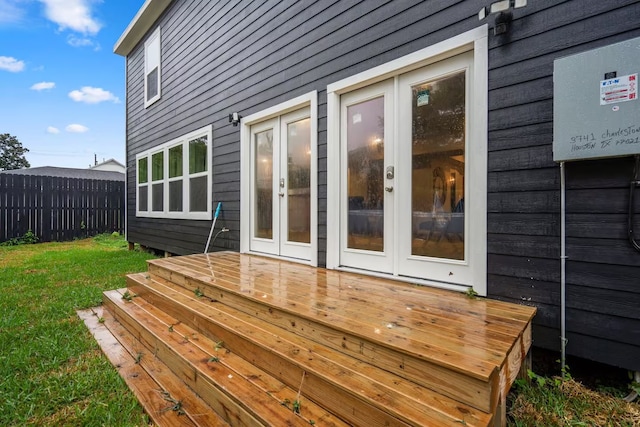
586	394
566	402
52	371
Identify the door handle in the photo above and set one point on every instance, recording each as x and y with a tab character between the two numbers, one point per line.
281	194
388	189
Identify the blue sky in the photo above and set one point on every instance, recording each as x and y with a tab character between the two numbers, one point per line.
62	89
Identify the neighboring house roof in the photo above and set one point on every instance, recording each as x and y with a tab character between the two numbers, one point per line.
110	165
69	173
140	25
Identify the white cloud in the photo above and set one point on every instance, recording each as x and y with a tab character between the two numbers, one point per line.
10	13
92	95
53	130
72	14
43	86
75	41
9	63
76	128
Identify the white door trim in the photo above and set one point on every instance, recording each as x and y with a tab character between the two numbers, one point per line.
475	40
310	100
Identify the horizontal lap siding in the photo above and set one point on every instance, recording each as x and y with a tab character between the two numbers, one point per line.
243	56
603	271
247	56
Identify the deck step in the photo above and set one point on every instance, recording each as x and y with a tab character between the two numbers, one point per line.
355	391
155	386
273	343
241	394
443	357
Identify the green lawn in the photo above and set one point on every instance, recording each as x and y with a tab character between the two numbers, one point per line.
52	371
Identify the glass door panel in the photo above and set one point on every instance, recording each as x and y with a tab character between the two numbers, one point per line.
264	152
299	181
433	232
366	178
295	184
365	175
263	225
438	123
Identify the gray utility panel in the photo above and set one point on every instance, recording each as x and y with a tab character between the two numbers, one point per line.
596	111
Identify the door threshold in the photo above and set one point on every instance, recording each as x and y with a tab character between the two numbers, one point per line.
280	257
407	279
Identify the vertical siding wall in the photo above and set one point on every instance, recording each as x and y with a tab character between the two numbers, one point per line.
603	271
245	56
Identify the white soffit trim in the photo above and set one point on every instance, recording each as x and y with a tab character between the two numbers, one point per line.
140	25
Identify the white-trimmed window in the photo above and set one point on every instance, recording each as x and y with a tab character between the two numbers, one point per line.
174	179
152	88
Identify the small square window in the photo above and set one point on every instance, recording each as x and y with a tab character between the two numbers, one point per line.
143	170
198	194
175	161
157	166
143	198
157	197
198	155
175	196
152	66
152	83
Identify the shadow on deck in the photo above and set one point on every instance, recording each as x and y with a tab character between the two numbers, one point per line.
261	341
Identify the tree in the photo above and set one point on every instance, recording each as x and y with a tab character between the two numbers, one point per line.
12	153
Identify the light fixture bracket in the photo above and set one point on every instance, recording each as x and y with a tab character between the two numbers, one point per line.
234	118
502	11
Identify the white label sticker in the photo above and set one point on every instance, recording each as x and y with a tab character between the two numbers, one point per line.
619	89
357	118
423	98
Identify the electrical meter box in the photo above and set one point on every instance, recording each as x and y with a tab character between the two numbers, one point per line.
596	111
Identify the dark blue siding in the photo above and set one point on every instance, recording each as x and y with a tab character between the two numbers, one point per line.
245	56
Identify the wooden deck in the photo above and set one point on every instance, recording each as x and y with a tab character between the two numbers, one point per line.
268	342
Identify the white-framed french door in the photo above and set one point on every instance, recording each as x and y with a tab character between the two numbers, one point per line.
367	214
412	204
280	185
434	138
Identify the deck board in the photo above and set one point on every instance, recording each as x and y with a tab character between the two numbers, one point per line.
418	317
139	381
361	350
338	331
239	367
217	384
406	398
480	328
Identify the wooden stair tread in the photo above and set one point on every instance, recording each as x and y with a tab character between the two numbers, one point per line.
258	377
330	278
236	396
422	318
148	380
412	401
351	289
446	352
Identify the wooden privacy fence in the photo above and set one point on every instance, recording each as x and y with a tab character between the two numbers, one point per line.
59	208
